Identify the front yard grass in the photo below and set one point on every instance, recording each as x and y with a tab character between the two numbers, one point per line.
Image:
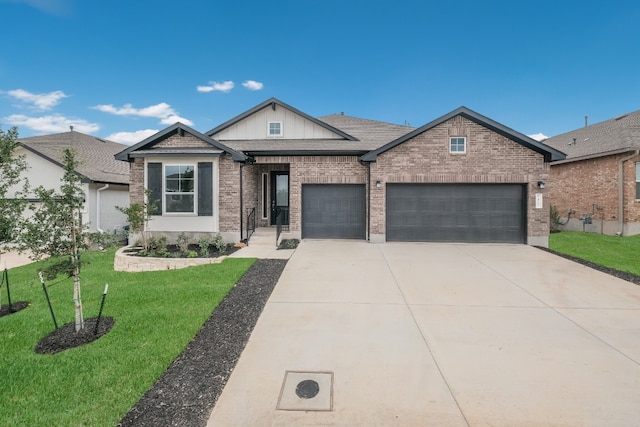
156	315
620	253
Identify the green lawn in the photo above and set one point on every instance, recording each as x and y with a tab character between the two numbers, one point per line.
156	315
621	253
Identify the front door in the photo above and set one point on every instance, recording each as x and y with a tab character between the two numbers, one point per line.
280	197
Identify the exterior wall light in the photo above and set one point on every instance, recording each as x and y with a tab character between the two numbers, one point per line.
541	185
378	184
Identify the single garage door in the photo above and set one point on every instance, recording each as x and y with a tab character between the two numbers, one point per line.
456	213
333	211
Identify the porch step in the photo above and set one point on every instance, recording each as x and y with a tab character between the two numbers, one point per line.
263	236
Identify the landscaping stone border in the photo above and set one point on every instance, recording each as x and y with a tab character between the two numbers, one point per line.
124	261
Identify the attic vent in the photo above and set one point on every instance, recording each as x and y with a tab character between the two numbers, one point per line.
621	117
180	132
572	142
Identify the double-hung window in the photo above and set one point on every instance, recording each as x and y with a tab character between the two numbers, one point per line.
179	188
458	144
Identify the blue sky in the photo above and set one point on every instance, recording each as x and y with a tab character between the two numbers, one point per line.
125	69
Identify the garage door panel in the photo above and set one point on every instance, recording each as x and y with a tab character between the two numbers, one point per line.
456	212
333	211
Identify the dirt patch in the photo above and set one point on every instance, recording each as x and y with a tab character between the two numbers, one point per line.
66	336
15	307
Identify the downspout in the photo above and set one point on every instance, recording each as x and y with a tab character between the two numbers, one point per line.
621	190
100	230
368	201
241	194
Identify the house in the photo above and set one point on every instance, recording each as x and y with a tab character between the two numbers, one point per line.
599	181
105	181
460	178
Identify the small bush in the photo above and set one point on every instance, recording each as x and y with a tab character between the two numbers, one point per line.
554	219
219	244
183	242
103	240
288	244
204	243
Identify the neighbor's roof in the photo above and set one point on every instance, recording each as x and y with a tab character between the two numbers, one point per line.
94	155
616	135
366	135
549	153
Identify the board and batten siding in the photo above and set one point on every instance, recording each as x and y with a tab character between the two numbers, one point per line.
294	126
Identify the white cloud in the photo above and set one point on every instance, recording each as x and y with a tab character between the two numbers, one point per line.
130	138
538	136
217	86
162	111
252	85
42	101
51	124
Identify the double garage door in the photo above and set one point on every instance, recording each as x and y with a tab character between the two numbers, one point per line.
456	213
334	211
419	212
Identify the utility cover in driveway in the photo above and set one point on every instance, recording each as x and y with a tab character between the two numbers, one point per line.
334	211
474	213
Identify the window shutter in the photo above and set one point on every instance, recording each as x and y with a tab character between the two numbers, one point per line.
154	184
205	189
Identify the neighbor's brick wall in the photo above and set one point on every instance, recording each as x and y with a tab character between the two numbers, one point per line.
581	185
489	158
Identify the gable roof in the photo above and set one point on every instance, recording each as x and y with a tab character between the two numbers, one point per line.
617	135
94	155
367	135
549	153
146	147
273	102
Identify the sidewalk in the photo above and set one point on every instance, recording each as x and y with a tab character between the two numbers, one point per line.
262	245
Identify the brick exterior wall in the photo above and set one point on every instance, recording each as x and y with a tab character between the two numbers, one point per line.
489	158
590	187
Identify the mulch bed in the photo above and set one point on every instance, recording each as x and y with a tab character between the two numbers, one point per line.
629	277
187	392
15	307
66	336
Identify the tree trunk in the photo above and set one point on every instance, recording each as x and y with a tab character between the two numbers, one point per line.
77	299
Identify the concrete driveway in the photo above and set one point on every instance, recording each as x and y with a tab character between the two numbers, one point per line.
439	334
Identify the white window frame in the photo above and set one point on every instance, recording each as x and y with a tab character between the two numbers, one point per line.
637	180
464	146
274	135
165	193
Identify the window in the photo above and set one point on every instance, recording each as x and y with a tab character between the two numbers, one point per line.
274	129
265	195
458	144
638	181
179	187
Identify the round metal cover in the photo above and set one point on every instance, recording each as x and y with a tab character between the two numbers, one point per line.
307	389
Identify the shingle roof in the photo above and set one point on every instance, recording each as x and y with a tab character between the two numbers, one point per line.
94	155
548	152
372	133
367	135
619	134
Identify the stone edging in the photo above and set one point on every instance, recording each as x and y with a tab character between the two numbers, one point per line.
130	263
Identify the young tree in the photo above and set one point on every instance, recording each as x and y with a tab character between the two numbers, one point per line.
139	215
55	229
12	177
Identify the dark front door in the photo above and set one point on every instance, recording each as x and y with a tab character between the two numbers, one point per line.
280	197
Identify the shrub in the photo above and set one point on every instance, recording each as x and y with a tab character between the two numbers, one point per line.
554	219
288	244
219	243
204	243
183	242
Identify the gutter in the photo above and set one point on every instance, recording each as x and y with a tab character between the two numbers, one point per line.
100	230
621	190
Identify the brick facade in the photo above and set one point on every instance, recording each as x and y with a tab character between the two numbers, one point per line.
489	158
590	188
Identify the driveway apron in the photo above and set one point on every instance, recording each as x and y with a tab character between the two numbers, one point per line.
439	334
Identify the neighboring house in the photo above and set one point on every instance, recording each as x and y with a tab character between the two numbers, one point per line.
460	178
105	181
600	178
